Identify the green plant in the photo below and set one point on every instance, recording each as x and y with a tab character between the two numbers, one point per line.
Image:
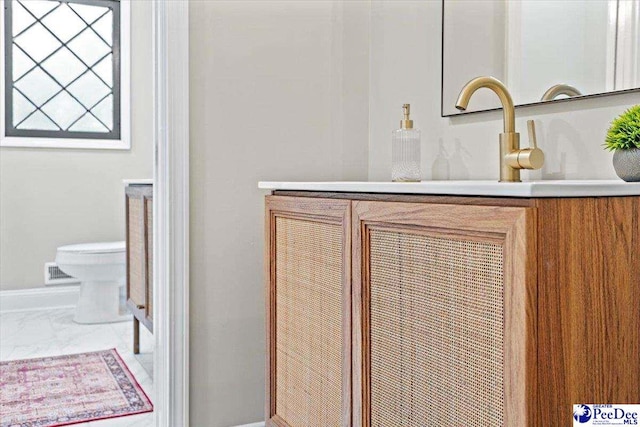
624	133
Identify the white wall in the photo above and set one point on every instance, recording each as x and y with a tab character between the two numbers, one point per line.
279	90
570	133
53	197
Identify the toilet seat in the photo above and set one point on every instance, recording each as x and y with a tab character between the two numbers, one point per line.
96	248
92	253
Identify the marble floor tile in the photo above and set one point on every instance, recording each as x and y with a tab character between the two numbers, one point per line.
141	420
41	333
125	331
146	360
29	351
26	328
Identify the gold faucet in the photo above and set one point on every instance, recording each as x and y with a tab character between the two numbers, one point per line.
512	157
558	90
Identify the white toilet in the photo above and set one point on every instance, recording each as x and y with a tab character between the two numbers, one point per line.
101	269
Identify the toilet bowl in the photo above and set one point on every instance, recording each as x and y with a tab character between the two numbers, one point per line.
101	270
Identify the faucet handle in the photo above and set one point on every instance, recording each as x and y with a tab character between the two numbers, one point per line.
531	128
527	158
533	157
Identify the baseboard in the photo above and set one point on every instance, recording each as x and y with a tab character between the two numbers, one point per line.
260	424
39	298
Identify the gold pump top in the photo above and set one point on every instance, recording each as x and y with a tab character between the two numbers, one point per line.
406	123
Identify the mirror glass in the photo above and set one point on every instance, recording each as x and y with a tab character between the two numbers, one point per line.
542	50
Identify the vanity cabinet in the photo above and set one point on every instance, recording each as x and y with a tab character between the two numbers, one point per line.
139	234
451	310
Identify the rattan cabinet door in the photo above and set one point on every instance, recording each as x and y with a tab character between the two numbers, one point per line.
443	321
136	257
139	235
308	261
148	202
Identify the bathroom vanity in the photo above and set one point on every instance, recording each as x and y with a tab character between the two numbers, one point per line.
450	303
139	233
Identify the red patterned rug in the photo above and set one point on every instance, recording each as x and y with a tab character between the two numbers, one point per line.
63	390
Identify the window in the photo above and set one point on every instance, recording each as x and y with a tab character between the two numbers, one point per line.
64	64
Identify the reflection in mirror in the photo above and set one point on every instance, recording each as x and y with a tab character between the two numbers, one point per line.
554	91
543	50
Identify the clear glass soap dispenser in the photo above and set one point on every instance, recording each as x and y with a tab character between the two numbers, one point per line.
405	150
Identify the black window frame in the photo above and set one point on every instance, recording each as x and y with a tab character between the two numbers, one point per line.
9	127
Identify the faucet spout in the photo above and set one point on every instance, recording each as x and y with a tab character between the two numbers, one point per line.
512	158
558	90
500	89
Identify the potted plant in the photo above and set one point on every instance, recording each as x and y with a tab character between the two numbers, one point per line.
623	138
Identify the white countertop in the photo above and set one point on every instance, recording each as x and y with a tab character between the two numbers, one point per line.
144	181
568	188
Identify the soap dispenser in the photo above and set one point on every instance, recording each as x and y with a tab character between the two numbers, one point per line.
405	150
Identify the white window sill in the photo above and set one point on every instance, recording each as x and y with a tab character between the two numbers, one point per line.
96	144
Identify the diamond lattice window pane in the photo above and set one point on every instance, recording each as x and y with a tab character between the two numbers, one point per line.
21	63
87	12
104	111
21	107
64	110
104	28
38	121
88	123
37	86
89	47
64	66
37	42
104	69
88	89
38	8
21	18
64	23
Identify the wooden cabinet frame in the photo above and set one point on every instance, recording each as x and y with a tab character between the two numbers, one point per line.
316	210
588	304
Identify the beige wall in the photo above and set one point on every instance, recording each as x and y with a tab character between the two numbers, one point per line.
279	90
53	197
